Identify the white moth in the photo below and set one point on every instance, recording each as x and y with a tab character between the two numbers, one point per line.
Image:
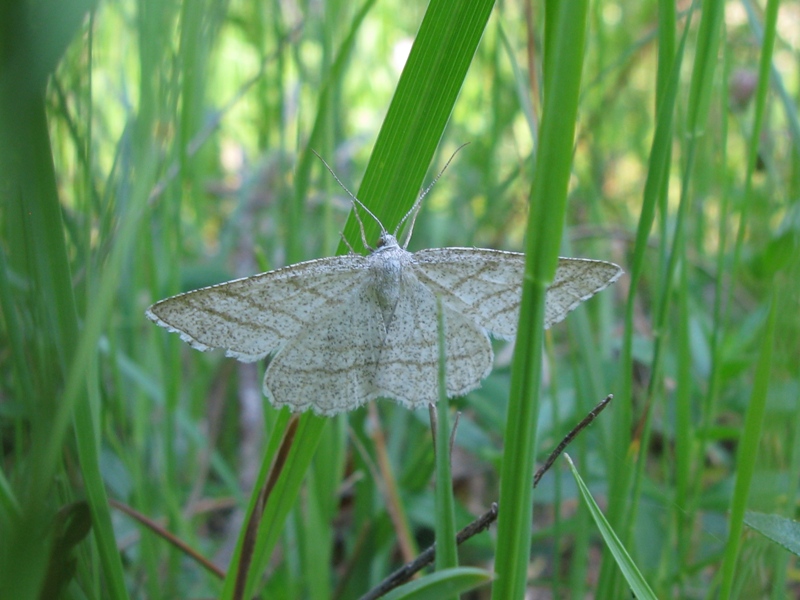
345	330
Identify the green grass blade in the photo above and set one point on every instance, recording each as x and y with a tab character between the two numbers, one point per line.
697	114
442	584
446	549
544	230
754	420
281	499
638	585
658	171
779	86
322	120
764	71
420	109
40	37
748	453
704	67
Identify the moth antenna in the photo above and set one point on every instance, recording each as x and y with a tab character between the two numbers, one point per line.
346	243
361	228
356	202
417	205
416	208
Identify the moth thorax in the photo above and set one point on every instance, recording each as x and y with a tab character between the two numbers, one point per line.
386	271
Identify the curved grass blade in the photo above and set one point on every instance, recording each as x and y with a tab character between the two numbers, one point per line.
441	584
633	576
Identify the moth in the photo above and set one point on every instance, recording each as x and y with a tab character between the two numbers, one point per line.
344	330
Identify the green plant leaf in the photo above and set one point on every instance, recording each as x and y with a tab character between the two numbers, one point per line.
441	584
784	532
641	590
564	56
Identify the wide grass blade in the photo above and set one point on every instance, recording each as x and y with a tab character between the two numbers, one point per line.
421	106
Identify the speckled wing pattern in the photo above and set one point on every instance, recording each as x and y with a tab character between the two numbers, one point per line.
348	357
252	317
486	285
576	280
409	359
330	366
